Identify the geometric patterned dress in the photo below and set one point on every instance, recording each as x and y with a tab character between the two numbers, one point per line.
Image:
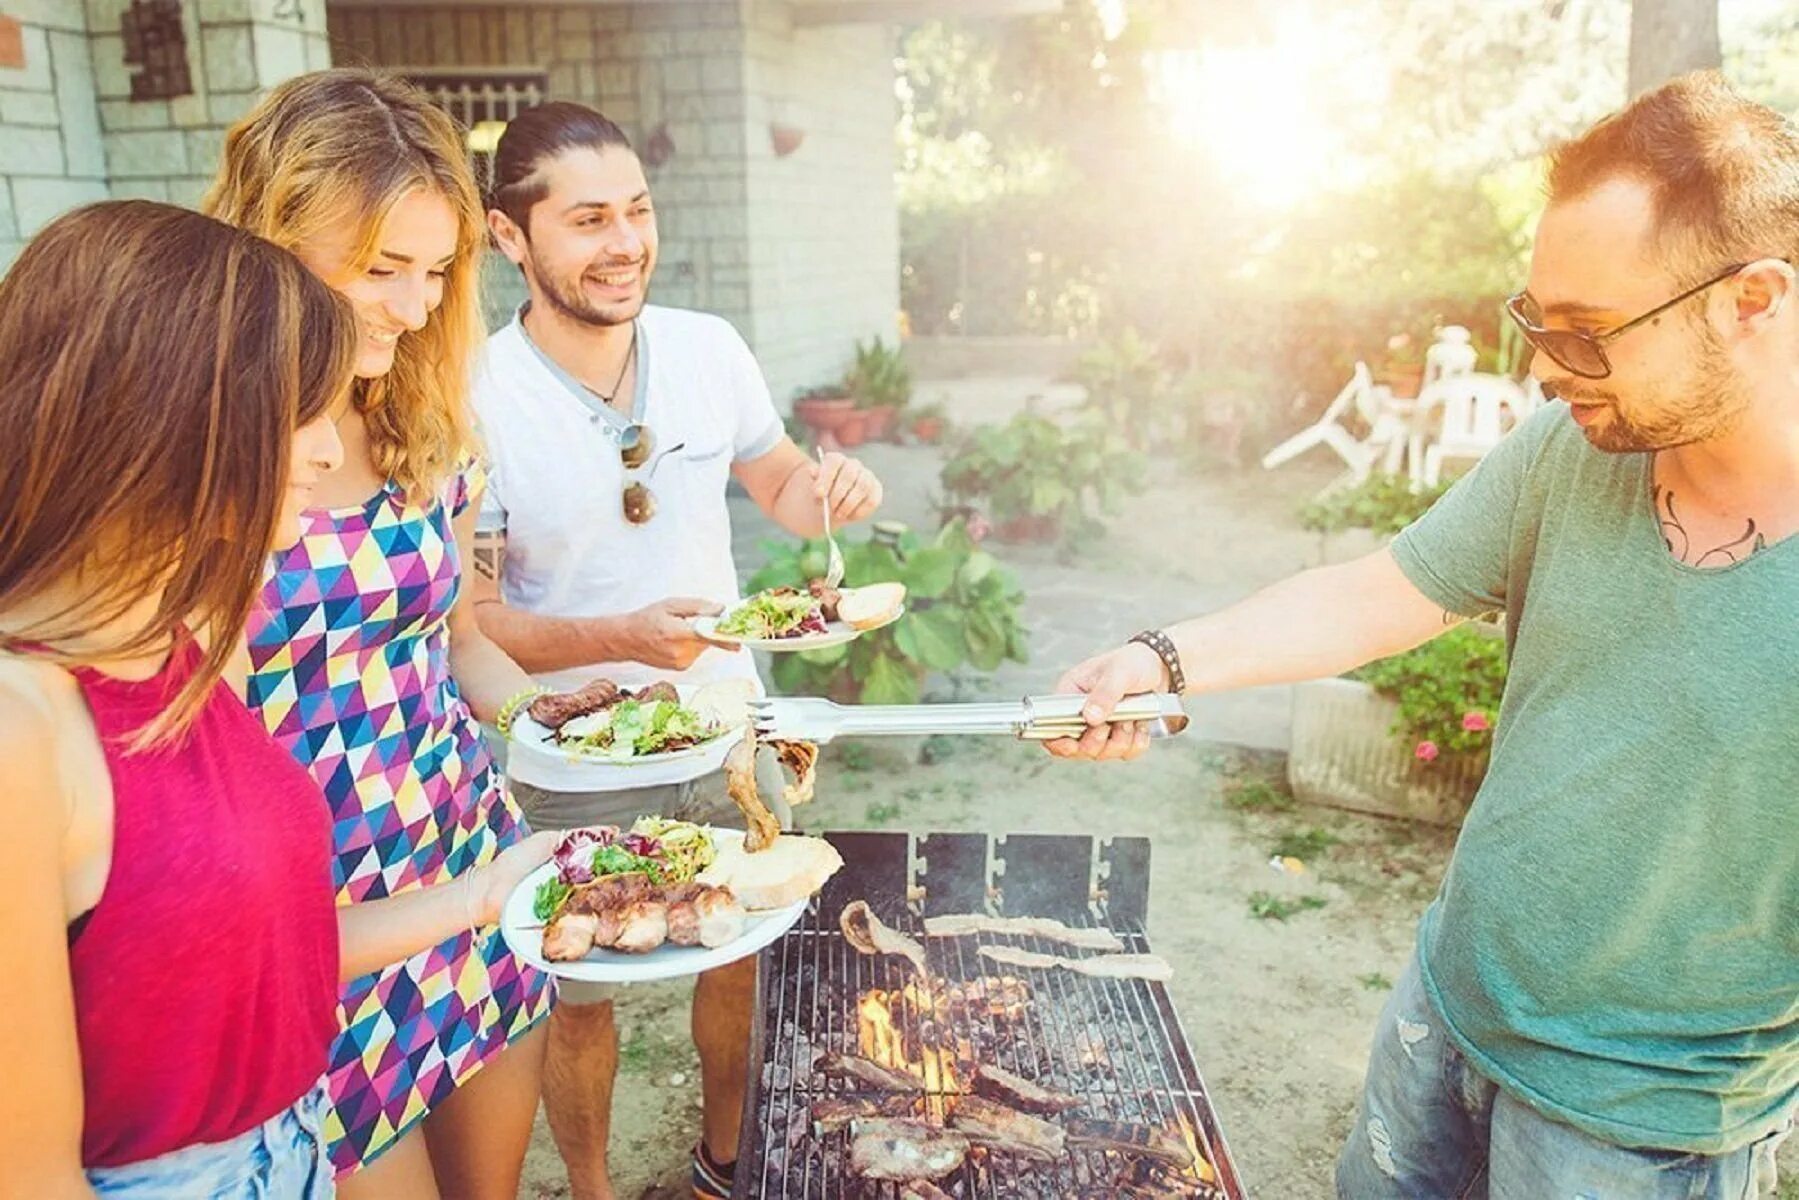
350	671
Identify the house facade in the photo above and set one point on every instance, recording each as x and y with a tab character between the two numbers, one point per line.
766	125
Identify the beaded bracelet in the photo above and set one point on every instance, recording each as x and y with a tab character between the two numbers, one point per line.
1163	645
509	711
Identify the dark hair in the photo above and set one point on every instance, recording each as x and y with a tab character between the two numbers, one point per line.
1722	169
532	138
154	364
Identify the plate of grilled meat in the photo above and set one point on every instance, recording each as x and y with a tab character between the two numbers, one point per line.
816	618
603	737
664	899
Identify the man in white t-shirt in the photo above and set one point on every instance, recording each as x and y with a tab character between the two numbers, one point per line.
612	430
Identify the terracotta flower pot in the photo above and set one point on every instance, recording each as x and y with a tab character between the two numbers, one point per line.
825	414
1037	527
852	430
928	430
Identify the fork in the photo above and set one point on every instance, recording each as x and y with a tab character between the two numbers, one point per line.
834	565
1035	718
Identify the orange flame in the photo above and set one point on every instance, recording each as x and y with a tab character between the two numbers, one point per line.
1200	1168
880	1038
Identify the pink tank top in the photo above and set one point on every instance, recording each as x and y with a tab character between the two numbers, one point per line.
206	977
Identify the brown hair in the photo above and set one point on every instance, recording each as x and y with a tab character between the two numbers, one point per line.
340	148
154	364
1723	170
536	136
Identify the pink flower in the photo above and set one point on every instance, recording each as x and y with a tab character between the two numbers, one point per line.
1476	722
1426	752
978	529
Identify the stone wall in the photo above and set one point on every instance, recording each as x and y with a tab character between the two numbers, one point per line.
49	125
824	221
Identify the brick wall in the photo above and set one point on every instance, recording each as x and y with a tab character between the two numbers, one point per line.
824	222
800	253
49	124
673	64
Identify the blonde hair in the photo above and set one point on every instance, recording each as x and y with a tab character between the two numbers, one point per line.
194	353
350	144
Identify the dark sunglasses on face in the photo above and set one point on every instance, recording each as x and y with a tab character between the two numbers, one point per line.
1582	352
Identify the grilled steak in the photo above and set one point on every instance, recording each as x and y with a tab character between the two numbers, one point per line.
867	1071
1004	1128
831	1113
827	597
1014	1091
865	932
904	1151
655	693
1124	1137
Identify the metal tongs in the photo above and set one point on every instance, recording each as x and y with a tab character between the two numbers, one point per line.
1034	718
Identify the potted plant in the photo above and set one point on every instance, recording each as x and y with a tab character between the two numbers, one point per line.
929	424
1128	387
881	384
825	409
1407	736
1038	481
962	609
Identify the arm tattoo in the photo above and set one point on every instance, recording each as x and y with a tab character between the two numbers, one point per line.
490	554
1674	535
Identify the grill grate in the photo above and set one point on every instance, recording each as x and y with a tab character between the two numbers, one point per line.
1142	1071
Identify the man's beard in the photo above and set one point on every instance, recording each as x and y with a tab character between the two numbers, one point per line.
573	303
1711	402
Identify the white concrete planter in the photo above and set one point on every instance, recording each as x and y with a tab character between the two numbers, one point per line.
1344	755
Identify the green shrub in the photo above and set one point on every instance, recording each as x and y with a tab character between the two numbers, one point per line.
1384	503
1448	692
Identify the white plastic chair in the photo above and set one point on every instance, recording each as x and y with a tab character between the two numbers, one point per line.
1475	411
1358	394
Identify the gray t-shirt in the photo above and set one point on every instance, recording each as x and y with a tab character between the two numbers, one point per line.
1617	939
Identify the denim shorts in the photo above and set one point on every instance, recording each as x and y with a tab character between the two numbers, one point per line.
1430	1127
281	1159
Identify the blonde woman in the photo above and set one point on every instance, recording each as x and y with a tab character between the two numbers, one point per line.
363	664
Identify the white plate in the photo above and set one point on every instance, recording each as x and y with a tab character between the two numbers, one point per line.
534	759
524	934
837	633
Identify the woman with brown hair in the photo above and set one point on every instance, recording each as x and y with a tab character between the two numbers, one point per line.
363	663
171	946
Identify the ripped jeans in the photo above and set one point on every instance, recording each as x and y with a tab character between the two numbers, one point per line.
1432	1128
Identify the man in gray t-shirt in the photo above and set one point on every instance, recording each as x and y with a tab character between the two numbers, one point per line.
1605	996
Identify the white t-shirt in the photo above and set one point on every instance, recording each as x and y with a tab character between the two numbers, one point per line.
556	482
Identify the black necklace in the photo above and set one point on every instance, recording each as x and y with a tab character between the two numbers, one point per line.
630	357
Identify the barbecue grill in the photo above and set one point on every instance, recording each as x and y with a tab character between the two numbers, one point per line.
1115	1044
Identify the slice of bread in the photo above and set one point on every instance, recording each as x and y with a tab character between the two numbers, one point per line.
788	871
867	607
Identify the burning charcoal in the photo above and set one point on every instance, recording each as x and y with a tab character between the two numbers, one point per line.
1002	1128
1123	1137
867	1071
904	1151
1145	1180
832	1113
1020	1093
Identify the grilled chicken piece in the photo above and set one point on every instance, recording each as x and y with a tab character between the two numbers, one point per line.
904	1151
721	917
1004	1128
799	759
832	1113
559	708
644	926
920	1189
761	826
1015	1091
683	920
1124	1137
865	932
570	936
968	924
867	1071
